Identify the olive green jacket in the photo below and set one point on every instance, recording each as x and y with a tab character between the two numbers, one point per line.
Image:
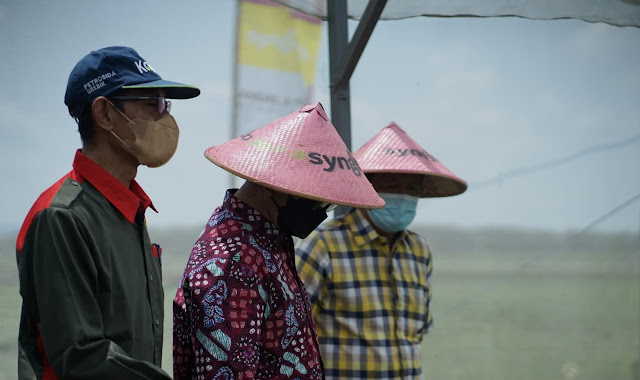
90	282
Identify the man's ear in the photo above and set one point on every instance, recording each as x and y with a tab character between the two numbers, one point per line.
103	113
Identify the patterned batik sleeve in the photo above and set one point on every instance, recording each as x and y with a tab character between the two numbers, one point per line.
226	311
183	360
313	265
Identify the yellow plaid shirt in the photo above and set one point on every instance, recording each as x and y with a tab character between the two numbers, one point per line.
371	302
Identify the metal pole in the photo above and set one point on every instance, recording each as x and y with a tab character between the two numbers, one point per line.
343	58
359	41
338	40
234	87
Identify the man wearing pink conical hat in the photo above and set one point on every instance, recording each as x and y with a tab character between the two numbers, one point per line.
368	277
241	310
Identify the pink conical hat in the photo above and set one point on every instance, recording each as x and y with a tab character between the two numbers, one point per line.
300	154
393	151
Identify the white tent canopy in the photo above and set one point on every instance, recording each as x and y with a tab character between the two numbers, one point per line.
344	53
614	12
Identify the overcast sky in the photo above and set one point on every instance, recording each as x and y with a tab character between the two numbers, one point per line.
541	118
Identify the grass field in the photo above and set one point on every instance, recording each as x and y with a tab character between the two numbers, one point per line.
509	315
577	312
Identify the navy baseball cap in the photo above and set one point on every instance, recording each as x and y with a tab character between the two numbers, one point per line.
107	70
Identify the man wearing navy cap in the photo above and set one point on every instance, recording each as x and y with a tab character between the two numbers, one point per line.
90	279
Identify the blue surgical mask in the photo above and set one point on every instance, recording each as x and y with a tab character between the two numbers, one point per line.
397	214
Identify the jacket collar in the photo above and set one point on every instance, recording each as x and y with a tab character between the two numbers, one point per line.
127	200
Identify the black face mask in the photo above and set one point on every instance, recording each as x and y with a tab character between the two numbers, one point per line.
299	217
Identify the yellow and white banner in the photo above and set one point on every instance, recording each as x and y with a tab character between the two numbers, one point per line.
275	66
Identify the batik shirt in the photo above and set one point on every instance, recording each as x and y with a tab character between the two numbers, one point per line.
370	300
241	311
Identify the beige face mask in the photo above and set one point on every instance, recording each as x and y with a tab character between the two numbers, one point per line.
156	141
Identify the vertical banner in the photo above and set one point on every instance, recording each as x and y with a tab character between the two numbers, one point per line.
276	51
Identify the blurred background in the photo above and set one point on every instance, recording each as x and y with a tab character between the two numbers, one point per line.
536	265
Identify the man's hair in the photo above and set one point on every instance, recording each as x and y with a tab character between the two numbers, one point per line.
85	127
86	124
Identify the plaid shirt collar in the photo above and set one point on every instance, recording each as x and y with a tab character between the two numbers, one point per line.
362	230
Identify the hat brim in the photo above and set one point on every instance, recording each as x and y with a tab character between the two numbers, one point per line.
434	185
172	90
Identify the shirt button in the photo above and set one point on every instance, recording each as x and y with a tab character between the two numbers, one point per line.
150	277
157	322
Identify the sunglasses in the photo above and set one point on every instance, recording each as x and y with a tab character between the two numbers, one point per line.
163	104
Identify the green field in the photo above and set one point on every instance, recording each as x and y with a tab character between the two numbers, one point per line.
499	314
580	312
